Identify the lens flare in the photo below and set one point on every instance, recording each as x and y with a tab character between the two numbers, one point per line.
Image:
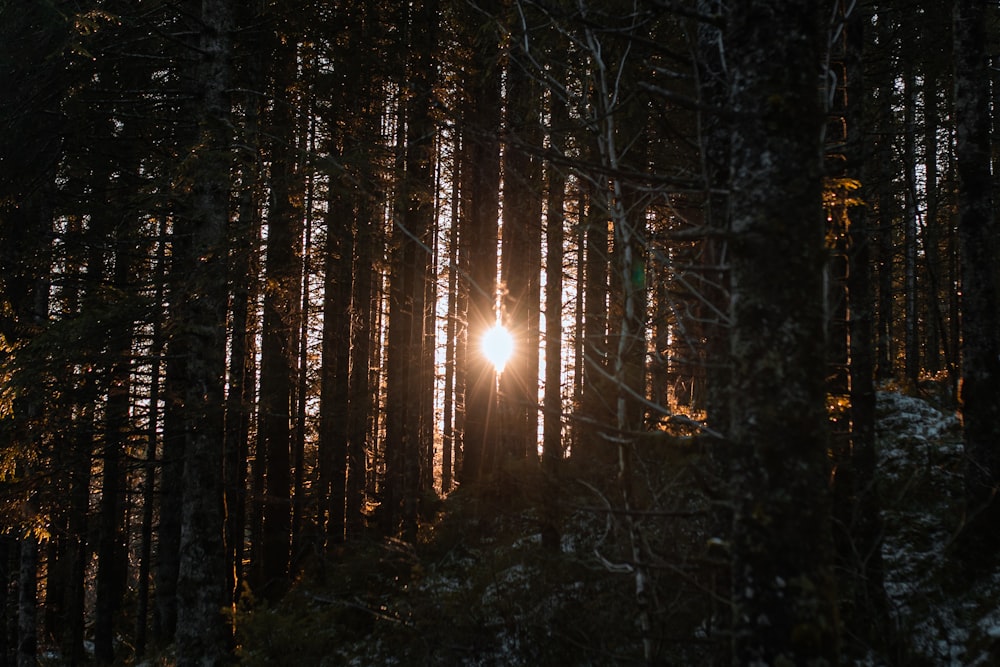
497	346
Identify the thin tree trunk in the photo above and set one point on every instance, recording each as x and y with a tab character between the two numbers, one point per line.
911	344
552	447
935	334
151	441
302	371
245	269
885	354
595	406
867	615
27	602
171	477
451	329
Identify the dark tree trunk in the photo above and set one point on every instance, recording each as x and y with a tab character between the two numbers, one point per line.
978	244
363	324
858	505
481	194
151	438
27	603
202	628
334	385
301	342
552	446
595	406
418	225
521	258
783	598
884	348
411	233
935	333
111	548
244	263
280	323
171	478
911	331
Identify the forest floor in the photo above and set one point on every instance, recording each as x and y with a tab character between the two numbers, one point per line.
479	589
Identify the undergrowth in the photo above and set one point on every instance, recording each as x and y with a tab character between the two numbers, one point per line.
479	589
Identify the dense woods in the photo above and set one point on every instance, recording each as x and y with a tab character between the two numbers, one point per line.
249	252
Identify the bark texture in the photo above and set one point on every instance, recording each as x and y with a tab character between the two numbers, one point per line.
783	602
202	630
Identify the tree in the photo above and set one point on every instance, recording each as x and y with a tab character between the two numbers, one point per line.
368	245
978	244
857	494
521	259
200	321
782	585
481	197
555	219
281	316
406	430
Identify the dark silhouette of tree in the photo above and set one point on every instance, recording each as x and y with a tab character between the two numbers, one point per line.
782	587
200	321
857	503
282	294
481	197
521	260
977	233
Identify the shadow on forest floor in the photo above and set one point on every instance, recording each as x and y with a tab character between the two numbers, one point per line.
479	589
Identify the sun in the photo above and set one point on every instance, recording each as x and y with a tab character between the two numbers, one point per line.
497	346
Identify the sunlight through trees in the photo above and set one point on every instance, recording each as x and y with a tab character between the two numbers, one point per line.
287	286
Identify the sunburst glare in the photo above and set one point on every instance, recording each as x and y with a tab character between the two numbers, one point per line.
497	346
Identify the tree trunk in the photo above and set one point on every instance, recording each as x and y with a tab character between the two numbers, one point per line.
858	506
27	603
448	430
935	333
911	341
595	407
552	446
481	194
280	323
884	347
783	599
334	377
978	243
521	259
203	632
244	263
151	442
361	411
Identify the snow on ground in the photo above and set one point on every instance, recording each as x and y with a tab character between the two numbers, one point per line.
920	478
